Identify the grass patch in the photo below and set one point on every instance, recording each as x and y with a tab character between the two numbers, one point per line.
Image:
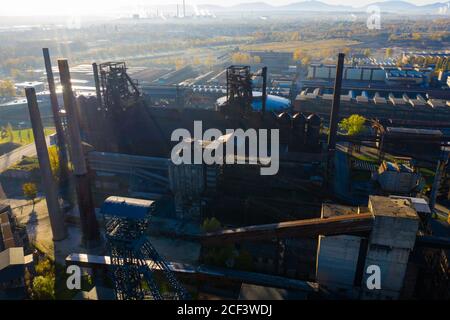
27	164
25	136
311	48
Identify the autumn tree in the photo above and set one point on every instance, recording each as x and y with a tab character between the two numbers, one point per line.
53	155
211	225
30	191
353	125
7	88
44	287
389	52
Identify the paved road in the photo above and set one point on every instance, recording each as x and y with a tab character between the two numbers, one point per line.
11	158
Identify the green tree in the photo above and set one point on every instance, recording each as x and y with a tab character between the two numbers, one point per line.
10	132
45	268
7	88
389	52
353	125
44	287
211	225
220	256
30	191
53	155
244	261
367	52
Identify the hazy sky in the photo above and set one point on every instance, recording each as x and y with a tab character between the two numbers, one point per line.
76	7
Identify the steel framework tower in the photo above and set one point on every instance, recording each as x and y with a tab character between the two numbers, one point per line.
239	88
134	260
119	91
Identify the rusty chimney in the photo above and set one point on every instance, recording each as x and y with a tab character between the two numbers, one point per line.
51	193
61	139
334	117
89	224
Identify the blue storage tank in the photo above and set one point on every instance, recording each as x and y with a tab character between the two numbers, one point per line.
273	103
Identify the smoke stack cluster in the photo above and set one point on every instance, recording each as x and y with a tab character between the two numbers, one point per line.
299	133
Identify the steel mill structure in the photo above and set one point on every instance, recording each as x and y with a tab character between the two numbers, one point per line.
133	258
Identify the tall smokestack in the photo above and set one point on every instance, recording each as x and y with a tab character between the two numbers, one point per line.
89	223
334	117
184	8
264	91
51	194
97	86
61	143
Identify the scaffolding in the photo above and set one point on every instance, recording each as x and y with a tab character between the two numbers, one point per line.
134	260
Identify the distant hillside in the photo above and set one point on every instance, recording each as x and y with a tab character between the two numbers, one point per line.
394	6
314	5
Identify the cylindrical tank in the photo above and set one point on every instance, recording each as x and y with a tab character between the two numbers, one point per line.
313	131
298	131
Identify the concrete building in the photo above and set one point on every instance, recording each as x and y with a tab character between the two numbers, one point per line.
344	261
337	258
37	85
354	73
390	243
397	178
13	259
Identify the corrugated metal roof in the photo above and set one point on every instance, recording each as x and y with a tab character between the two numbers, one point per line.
130	208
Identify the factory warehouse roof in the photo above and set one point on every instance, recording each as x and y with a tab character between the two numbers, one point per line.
126	207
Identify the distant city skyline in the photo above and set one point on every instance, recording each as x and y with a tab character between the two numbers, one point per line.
100	7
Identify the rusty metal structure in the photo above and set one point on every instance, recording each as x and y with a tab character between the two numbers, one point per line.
349	224
239	88
133	258
118	90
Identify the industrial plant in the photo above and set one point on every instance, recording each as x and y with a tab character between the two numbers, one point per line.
289	180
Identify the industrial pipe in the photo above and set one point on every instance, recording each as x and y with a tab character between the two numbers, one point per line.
51	194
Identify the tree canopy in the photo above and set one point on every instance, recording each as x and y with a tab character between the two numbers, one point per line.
353	125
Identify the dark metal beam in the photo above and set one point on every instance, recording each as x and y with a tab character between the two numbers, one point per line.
348	224
433	242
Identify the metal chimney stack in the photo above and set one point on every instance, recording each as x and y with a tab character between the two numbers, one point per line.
334	117
61	139
89	224
97	86
264	91
51	193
